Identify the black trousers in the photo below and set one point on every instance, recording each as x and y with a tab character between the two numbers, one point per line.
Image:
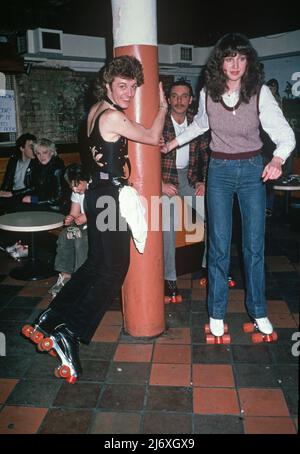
83	301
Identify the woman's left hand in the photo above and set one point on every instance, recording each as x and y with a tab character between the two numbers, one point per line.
163	104
273	170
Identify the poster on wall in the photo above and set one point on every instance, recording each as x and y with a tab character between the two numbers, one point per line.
7	111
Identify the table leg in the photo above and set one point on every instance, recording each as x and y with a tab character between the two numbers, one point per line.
33	269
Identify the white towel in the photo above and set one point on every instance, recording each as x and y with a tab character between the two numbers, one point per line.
131	208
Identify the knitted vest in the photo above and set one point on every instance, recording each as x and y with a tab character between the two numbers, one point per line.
234	130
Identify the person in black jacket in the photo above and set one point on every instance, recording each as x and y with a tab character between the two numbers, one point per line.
48	188
19	171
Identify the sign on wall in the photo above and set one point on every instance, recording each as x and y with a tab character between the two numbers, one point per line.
7	111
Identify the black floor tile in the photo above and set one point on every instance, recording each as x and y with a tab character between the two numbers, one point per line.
251	354
218	424
37	393
79	395
14	366
26	302
254	375
101	351
61	421
129	373
170	398
15	314
94	370
291	394
286	376
177	319
211	354
127	397
282	353
167	423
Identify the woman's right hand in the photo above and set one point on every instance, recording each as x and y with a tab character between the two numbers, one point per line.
68	219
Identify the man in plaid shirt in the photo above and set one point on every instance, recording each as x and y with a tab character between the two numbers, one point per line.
183	174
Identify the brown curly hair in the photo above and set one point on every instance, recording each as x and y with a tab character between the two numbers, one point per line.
126	66
215	79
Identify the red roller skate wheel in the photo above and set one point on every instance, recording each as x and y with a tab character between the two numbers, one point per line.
176	299
64	372
167	300
71	380
27	330
36	337
203	282
257	338
248	327
46	344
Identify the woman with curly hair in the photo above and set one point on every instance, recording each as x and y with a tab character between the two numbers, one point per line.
74	314
233	104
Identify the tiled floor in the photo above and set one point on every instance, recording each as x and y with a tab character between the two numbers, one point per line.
175	384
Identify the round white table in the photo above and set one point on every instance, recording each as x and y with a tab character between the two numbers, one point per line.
32	222
288	189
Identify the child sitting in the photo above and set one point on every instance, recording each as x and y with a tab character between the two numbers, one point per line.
72	243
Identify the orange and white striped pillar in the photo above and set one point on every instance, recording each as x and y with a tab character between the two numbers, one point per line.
135	33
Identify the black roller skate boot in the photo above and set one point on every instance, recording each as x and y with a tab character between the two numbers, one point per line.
171	293
42	326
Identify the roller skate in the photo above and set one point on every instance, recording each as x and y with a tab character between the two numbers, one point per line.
66	345
216	332
261	330
171	293
43	325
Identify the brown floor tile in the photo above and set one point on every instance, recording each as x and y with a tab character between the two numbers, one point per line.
236	307
116	423
105	333
215	401
254	425
170	398
236	295
277	307
281	267
10	281
175	336
29	290
125	397
263	402
170	423
45	302
170	375
80	395
216	375
137	373
60	421
21	420
184	283
137	353
6	387
166	354
112	318
199	293
283	321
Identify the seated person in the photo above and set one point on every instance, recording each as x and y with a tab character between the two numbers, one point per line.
18	174
72	243
48	188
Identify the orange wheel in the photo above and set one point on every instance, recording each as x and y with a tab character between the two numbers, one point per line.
36	337
56	372
210	339
64	372
53	353
27	330
203	282
71	380
225	328
257	338
167	300
178	299
248	327
206	328
46	344
226	339
274	336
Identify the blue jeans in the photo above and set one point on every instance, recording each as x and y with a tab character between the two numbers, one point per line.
226	178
